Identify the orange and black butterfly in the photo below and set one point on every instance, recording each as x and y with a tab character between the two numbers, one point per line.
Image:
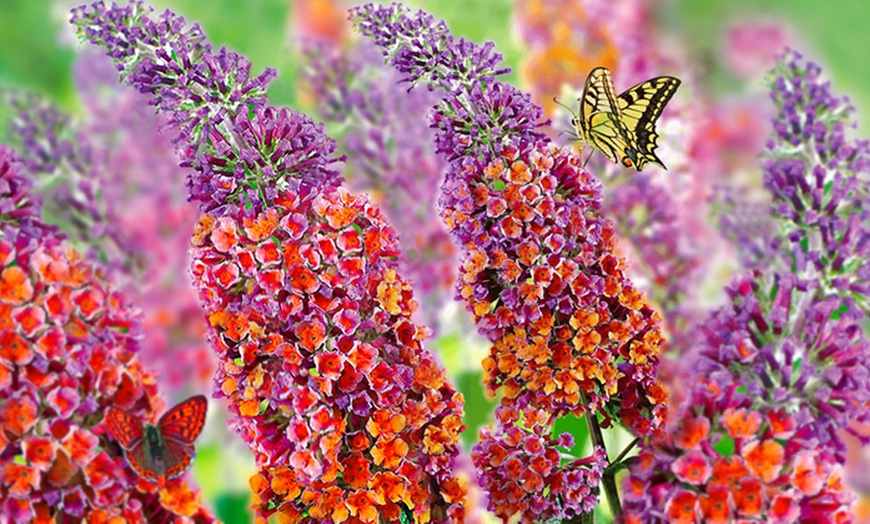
164	451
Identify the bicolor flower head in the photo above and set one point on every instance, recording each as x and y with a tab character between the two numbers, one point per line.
522	469
538	270
569	332
390	156
348	417
68	353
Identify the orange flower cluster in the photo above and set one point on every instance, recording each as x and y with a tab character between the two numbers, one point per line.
68	353
542	280
728	460
351	420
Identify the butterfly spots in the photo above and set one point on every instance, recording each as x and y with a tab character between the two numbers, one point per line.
164	451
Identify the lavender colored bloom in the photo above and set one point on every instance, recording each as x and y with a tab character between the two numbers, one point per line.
787	358
232	141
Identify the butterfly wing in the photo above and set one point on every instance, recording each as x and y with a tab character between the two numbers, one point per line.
144	464
599	95
185	421
177	457
599	120
124	427
639	108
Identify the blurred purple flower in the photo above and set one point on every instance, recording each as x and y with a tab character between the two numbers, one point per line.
108	181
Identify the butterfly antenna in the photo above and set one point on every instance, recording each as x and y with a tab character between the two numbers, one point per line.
563	105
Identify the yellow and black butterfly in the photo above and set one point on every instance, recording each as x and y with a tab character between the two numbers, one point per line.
623	127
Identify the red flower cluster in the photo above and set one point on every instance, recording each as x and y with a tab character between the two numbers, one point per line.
523	468
349	418
67	353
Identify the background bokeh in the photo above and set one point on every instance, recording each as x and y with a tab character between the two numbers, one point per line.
37	54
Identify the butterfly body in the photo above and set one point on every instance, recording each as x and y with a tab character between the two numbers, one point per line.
163	451
623	127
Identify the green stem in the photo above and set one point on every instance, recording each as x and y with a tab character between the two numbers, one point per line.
608	478
625	452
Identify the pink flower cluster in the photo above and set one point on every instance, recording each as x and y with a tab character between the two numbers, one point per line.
107	181
321	363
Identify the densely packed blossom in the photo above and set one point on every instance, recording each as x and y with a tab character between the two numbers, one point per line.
569	331
109	183
787	361
390	155
350	419
526	469
68	354
658	216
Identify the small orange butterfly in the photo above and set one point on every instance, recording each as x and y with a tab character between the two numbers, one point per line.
164	451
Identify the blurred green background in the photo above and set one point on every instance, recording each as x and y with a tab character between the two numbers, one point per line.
37	52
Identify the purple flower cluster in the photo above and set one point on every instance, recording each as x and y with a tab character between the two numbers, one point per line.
569	332
348	415
238	149
523	459
787	357
390	155
659	219
818	181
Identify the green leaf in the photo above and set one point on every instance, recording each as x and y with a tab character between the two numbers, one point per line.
725	446
498	185
238	361
578	428
407	516
233	507
477	406
835	315
796	365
